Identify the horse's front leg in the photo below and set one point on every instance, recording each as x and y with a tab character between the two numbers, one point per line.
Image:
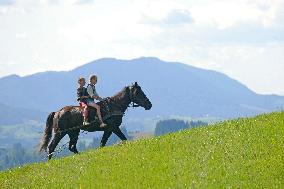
105	137
73	141
119	133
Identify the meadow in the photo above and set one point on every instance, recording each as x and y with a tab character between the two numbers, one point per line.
240	153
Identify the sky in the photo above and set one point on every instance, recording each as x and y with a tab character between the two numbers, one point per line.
241	38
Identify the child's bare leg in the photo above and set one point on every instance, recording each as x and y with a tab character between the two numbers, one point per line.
85	113
99	114
98	108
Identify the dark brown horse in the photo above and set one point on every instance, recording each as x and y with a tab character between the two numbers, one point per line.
69	119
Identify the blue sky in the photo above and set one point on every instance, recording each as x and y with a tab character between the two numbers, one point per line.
241	38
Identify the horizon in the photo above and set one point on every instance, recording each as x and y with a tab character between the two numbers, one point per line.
242	39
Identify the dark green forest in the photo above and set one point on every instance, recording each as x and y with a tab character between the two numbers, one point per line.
174	125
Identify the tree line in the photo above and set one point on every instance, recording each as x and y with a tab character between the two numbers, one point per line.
17	155
174	125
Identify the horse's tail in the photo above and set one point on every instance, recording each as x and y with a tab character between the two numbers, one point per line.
47	132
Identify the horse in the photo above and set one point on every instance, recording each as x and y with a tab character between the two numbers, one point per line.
68	120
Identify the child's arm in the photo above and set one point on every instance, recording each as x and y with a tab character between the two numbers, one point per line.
90	91
79	95
97	96
93	93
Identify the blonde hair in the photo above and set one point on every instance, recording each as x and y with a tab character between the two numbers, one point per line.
93	77
80	79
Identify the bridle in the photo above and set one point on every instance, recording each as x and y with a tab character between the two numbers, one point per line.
131	98
133	104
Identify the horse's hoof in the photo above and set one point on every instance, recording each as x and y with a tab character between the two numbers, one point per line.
49	157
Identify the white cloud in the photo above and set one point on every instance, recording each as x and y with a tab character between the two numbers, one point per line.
234	37
224	14
174	18
6	2
85	1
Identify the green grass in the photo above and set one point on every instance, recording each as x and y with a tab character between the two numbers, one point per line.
242	153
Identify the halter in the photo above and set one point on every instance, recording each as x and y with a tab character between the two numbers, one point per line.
133	104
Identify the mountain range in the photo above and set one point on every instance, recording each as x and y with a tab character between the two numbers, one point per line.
15	115
173	88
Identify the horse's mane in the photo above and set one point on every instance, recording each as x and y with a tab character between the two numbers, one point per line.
119	95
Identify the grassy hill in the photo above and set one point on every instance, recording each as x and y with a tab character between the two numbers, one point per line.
242	153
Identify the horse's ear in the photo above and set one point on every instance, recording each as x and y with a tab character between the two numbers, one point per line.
135	83
128	88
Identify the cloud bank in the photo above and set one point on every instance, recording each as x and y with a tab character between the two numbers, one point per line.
242	38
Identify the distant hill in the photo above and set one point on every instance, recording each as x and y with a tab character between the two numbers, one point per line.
11	115
174	89
242	153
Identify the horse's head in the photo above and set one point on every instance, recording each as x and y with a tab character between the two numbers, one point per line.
138	96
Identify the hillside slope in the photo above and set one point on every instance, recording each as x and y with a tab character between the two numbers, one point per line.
174	89
242	153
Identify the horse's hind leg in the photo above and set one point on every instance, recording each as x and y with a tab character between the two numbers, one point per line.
54	143
73	141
